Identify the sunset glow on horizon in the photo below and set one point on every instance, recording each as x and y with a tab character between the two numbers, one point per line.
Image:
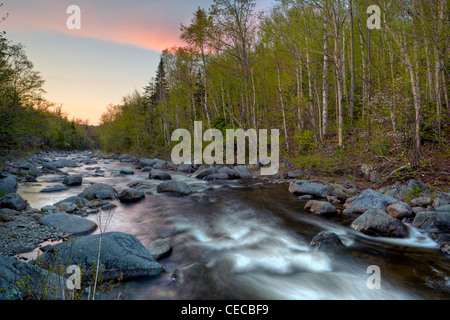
115	52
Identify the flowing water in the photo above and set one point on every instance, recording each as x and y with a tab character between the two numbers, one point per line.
253	237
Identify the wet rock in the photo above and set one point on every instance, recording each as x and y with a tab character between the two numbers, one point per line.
441	199
13	201
160	164
69	224
189	275
126	172
159	175
131	195
147	162
73	180
320	207
228	171
49	209
185	167
326	240
399	210
371	199
201	173
305	197
431	220
8	183
76	200
301	187
379	223
199	197
98	191
57	188
242	172
179	187
120	253
217	176
128	158
13	270
160	248
146	169
68	207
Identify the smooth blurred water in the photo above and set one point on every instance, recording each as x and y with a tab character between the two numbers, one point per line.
254	240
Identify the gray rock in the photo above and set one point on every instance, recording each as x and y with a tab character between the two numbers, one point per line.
120	253
69	224
57	188
126	172
159	175
202	173
371	199
160	164
300	187
128	158
8	183
227	170
131	195
13	201
73	180
399	210
68	207
320	207
146	169
420	201
444	208
326	240
62	163
305	197
40	284
147	162
429	220
198	197
179	187
76	200
403	191
217	176
91	191
105	195
160	248
378	222
293	174
49	208
185	167
442	199
242	172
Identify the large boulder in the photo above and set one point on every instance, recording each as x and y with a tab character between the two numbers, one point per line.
76	200
120	254
320	207
69	224
73	180
173	186
377	222
96	191
35	283
8	183
371	199
300	187
13	201
131	195
159	175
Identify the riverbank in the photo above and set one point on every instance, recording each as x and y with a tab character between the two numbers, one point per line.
385	212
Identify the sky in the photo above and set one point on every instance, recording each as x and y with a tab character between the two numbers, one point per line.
115	51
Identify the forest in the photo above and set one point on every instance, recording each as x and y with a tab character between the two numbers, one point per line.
28	122
337	89
340	91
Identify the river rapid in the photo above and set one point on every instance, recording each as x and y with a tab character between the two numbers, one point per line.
253	237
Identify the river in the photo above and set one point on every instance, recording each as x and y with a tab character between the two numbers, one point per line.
253	237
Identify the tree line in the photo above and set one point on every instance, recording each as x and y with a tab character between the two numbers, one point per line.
312	68
28	122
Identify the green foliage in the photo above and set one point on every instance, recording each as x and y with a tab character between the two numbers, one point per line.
306	141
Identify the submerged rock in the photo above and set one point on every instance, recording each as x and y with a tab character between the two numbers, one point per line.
326	240
159	175
160	248
131	195
320	207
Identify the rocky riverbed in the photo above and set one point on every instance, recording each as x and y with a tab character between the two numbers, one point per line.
68	192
